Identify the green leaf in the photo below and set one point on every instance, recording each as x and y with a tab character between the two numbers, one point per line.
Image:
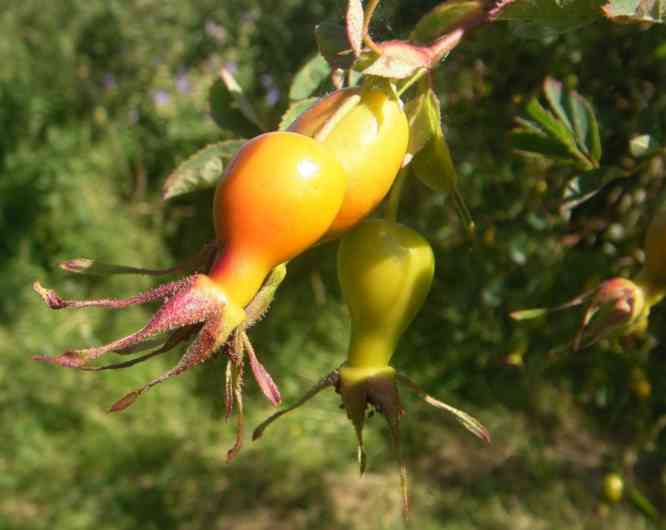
294	111
549	123
552	89
632	11
202	170
440	19
225	111
536	17
570	133
242	102
423	117
642	503
334	44
434	166
309	77
580	120
531	142
594	136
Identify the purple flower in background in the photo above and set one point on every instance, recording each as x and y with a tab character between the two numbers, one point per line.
215	31
231	67
161	98
183	83
272	97
267	81
109	81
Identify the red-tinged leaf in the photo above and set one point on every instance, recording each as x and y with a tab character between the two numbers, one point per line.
442	18
398	60
261	375
354	25
333	44
202	170
125	401
632	11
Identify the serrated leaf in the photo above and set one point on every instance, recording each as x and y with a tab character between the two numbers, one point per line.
398	60
294	111
202	170
242	102
354	25
539	17
309	77
580	120
531	142
441	18
225	111
334	45
632	11
554	93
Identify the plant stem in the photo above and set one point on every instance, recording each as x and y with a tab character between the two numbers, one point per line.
394	196
367	17
410	81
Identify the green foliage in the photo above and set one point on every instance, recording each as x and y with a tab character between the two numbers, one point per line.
99	102
628	11
308	79
568	133
438	21
201	170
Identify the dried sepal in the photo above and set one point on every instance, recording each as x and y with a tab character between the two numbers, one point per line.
261	375
331	380
469	422
197	263
190	303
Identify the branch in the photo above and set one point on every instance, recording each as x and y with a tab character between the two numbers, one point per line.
400	59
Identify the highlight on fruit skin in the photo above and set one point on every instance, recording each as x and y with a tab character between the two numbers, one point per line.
277	197
367	130
385	271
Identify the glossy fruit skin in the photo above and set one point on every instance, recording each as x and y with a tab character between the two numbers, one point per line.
655	251
370	142
277	197
613	487
385	271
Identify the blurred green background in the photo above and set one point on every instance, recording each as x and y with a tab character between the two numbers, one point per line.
100	100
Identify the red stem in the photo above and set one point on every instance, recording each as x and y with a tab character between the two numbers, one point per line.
447	42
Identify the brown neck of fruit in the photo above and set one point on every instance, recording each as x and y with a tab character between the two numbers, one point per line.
239	275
